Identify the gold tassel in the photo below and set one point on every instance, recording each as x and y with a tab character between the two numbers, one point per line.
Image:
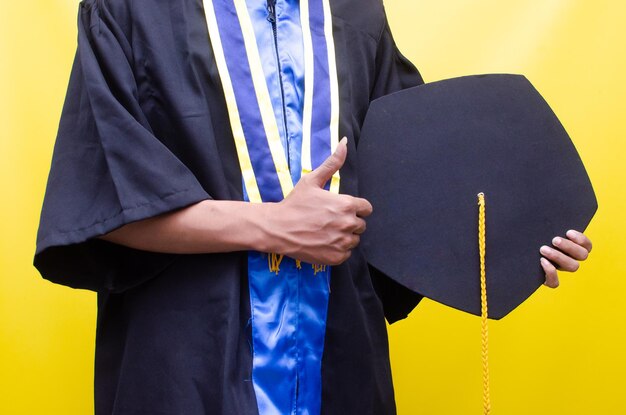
318	268
483	304
274	261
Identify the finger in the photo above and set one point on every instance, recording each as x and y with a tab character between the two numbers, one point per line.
338	258
580	238
360	227
332	164
346	256
354	242
552	279
362	208
572	249
559	259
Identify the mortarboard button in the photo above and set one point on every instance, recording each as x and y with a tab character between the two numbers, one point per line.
424	155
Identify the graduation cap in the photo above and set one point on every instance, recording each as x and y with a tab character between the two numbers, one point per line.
426	153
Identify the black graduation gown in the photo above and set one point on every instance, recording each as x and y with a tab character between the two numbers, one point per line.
144	131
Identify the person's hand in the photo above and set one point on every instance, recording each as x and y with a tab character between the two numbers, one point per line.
567	255
315	225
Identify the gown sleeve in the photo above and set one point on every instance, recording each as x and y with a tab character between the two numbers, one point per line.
108	169
394	72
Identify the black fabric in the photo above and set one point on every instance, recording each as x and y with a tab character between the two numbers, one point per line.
108	168
145	131
398	301
441	144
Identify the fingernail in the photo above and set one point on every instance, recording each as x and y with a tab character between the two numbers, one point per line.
545	250
571	233
557	241
544	261
344	140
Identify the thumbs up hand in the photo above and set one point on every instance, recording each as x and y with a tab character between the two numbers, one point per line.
314	225
320	176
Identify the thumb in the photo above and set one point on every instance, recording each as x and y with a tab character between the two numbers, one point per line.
333	163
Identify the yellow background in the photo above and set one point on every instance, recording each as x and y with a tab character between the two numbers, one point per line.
562	352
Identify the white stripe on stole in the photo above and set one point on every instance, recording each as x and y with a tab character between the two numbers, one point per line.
263	97
307	164
264	101
307	112
245	163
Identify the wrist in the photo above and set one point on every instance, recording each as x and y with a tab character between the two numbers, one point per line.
264	221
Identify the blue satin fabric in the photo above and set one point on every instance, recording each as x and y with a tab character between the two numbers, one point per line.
288	326
291	58
320	122
288	310
235	55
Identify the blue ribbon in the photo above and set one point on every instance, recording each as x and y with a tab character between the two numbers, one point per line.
288	308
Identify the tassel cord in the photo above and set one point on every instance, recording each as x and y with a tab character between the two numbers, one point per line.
483	305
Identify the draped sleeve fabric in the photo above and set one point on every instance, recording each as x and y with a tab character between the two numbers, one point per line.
394	72
108	168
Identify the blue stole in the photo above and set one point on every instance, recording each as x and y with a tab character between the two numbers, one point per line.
288	299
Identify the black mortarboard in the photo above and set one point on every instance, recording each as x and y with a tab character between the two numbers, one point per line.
425	154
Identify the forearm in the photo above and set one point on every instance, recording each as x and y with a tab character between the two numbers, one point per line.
310	224
209	226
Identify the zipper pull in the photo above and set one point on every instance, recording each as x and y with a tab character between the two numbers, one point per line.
271	11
